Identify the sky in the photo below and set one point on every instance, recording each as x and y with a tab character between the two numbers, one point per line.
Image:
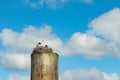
85	34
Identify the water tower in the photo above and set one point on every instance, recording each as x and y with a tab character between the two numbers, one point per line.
44	63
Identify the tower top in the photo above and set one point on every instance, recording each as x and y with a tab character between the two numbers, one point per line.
42	49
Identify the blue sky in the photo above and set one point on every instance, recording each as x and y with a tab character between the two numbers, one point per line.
85	34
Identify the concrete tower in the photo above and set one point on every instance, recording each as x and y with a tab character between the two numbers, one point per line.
44	63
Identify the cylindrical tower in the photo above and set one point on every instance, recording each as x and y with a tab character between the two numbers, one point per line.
44	63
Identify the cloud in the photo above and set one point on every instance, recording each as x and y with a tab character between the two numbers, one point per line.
112	76
28	38
19	45
107	26
54	3
88	45
102	39
18	77
91	74
47	3
16	61
78	74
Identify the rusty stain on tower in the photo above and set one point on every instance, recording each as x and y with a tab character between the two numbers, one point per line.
44	63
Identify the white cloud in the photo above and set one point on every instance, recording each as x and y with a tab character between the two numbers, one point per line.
112	76
78	74
16	61
51	3
47	3
18	77
101	40
107	26
23	42
19	45
54	3
91	74
87	45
